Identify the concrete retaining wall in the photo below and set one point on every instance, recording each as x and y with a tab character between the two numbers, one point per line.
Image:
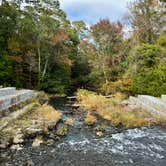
13	97
163	98
7	91
156	106
153	102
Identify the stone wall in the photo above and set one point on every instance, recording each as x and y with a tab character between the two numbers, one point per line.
163	98
156	106
10	97
7	91
153	102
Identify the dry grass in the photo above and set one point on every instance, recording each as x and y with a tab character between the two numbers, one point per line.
47	113
118	115
90	119
69	121
37	118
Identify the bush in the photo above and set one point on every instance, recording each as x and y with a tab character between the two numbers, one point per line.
5	70
153	82
149	76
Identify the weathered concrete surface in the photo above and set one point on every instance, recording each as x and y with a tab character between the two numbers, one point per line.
7	91
152	104
163	98
10	97
14	115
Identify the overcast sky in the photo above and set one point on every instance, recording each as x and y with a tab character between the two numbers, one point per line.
90	11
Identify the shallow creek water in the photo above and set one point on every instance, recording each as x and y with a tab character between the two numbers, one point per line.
81	147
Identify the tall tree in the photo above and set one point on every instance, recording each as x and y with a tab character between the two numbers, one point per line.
146	19
107	38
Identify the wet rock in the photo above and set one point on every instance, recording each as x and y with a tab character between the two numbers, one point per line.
3	145
16	147
37	142
69	121
18	139
99	133
62	130
50	142
100	127
30	163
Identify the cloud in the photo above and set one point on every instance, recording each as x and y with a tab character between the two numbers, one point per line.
91	11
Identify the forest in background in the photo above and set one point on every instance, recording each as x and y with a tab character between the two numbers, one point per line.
41	49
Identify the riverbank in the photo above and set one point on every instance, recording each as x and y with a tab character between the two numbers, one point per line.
118	111
82	146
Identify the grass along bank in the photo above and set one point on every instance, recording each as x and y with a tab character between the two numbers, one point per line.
36	119
109	109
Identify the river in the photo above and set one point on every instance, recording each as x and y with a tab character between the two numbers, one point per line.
144	146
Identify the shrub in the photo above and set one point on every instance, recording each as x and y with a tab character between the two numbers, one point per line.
149	76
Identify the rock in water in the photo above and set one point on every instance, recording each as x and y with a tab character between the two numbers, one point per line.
99	133
18	139
16	147
37	142
62	130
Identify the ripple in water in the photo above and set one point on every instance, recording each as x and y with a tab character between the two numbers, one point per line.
145	144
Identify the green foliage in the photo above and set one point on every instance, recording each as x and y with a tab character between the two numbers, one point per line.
150	72
162	41
41	49
5	70
58	81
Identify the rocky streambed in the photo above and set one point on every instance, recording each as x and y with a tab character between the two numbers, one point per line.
82	146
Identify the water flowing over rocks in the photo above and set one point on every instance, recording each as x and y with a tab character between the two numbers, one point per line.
81	146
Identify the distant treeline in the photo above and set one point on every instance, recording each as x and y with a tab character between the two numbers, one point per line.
41	49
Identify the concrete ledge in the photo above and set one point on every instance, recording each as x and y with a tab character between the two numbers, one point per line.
163	98
153	102
8	101
7	91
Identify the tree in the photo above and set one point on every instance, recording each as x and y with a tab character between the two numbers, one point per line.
146	19
149	70
9	14
107	38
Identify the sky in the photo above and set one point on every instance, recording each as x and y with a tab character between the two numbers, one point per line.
90	11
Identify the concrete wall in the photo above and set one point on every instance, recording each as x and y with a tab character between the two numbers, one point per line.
153	102
10	97
156	106
7	91
163	98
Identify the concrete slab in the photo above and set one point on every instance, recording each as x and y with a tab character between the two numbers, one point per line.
7	91
163	98
8	101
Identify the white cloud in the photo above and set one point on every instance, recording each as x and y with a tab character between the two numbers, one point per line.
92	10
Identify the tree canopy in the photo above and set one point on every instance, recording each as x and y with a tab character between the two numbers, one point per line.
41	49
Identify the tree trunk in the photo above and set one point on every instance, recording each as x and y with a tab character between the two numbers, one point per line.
39	62
104	72
45	69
